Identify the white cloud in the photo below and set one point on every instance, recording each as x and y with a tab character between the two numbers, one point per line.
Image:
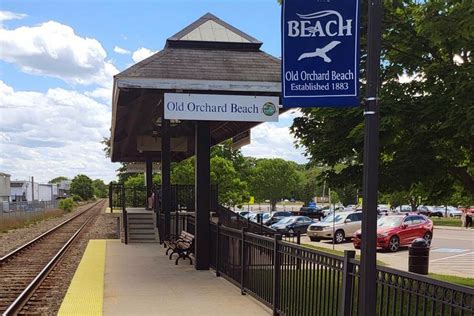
120	50
7	15
102	94
141	54
270	141
53	49
291	114
53	133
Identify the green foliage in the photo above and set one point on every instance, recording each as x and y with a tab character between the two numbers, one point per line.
57	180
100	188
82	186
274	179
66	204
76	198
183	172
232	190
426	128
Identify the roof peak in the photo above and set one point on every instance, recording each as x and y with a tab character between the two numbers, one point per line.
209	28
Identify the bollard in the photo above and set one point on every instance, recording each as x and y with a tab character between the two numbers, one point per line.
419	256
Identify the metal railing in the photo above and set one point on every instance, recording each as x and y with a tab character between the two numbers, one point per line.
295	280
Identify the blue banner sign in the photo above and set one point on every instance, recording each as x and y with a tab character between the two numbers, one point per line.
320	49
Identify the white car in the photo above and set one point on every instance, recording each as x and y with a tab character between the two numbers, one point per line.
344	225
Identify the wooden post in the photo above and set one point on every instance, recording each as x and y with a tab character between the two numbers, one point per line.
202	194
165	177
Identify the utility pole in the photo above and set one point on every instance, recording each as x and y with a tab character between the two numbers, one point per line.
368	272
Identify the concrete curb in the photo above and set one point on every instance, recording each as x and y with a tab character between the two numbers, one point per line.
449	228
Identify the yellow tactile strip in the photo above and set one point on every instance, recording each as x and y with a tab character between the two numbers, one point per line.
86	293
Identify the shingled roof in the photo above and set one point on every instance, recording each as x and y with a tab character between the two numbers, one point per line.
203	51
208	56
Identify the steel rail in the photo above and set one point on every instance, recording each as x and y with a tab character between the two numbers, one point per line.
31	242
20	301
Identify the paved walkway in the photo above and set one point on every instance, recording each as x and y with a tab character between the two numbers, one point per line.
140	280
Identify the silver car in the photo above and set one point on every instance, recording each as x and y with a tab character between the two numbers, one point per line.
344	225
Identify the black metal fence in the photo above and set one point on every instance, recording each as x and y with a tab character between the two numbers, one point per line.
295	280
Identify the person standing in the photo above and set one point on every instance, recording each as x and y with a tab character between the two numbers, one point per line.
463	218
468	217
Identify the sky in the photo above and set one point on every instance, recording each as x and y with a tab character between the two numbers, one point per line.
57	62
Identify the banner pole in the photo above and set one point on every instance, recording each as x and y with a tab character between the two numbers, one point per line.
368	272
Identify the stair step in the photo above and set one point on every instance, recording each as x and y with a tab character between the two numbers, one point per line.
140	237
140	221
142	241
141	231
133	225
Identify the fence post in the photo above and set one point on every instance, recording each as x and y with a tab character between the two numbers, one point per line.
218	247
276	275
111	204
347	283
298	260
242	262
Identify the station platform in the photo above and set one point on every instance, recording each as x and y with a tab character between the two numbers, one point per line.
139	279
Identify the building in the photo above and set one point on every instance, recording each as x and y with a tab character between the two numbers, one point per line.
5	189
22	190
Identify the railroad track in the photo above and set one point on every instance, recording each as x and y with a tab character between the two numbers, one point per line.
23	269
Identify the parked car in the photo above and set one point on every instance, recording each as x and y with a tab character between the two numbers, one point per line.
383	209
345	224
292	224
428	211
394	231
243	213
454	212
403	209
276	217
311	212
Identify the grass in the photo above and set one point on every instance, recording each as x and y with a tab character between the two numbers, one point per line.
337	252
8	223
453	279
442	221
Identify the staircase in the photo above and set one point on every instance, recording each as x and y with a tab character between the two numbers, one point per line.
141	227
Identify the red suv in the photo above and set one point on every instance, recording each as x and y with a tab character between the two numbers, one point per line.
394	231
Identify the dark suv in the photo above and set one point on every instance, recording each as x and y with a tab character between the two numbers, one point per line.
276	217
311	212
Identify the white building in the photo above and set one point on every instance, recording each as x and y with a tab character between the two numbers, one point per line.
5	190
33	191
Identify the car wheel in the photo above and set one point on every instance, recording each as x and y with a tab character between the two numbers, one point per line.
291	232
394	244
314	239
339	236
428	236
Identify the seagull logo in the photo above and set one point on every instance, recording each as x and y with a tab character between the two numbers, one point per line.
320	52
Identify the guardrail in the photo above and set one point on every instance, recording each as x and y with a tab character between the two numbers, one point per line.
296	280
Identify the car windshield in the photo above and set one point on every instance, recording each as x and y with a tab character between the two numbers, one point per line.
389	221
330	218
286	220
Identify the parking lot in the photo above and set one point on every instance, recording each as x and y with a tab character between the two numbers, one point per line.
452	252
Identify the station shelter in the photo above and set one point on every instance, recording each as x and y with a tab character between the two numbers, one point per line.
207	57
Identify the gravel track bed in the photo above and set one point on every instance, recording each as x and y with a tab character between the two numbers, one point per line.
17	237
48	298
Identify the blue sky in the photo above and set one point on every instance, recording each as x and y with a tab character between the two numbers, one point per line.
57	59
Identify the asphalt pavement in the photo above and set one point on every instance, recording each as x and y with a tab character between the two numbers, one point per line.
452	252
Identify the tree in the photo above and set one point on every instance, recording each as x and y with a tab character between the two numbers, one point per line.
274	179
100	188
426	126
232	190
82	186
57	180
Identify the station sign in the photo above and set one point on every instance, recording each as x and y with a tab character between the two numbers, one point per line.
320	49
213	107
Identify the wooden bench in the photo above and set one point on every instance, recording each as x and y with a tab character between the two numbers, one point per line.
183	246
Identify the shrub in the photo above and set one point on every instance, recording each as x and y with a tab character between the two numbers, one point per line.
66	205
76	198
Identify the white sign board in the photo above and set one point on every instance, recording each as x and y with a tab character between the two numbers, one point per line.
213	107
